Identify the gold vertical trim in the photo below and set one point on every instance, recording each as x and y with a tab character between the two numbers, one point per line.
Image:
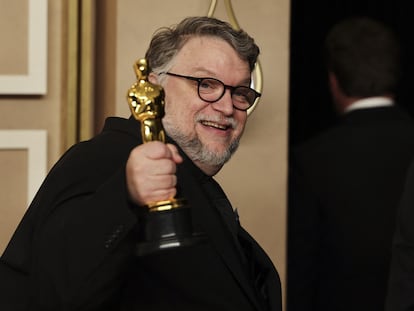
72	73
86	69
79	66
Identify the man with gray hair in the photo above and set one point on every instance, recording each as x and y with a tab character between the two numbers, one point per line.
75	247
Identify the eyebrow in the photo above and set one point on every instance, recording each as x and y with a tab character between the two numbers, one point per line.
205	73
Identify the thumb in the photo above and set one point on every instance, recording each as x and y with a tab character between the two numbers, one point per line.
175	155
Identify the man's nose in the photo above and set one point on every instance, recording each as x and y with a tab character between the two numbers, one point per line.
225	103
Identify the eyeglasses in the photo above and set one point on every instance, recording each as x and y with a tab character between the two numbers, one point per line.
211	90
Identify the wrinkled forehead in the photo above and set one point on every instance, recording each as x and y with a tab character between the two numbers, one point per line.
210	54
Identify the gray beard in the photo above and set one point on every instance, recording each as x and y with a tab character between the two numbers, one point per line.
196	151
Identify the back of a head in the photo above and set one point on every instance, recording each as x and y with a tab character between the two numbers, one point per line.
364	55
167	41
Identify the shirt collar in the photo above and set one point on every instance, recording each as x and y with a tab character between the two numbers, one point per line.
371	102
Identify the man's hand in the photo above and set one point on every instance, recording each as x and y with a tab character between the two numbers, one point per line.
150	172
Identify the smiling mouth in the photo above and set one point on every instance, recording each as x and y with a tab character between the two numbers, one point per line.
215	125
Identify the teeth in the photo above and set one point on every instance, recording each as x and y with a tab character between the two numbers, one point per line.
213	124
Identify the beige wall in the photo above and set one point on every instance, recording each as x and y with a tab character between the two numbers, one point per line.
255	179
29	112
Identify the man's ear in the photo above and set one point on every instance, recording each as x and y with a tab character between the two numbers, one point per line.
334	86
153	78
339	98
333	81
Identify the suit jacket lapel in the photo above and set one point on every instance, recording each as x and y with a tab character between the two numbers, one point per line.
208	220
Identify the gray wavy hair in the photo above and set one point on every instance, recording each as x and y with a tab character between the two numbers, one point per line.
168	41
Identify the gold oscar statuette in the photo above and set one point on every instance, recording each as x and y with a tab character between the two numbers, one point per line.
167	223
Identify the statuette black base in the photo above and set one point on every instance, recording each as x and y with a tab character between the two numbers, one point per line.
164	230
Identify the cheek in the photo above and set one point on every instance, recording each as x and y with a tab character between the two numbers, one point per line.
178	116
186	119
241	121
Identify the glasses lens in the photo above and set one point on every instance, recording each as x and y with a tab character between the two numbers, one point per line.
243	97
210	89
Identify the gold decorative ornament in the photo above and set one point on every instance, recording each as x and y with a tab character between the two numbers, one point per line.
257	75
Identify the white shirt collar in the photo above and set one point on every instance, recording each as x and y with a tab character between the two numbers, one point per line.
370	102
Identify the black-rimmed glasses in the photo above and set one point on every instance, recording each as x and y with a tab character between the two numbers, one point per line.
211	90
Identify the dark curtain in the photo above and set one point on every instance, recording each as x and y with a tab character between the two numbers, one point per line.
310	106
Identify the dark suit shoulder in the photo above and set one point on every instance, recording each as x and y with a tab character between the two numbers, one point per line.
364	128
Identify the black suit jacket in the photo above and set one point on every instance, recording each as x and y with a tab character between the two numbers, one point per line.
74	248
401	282
344	189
